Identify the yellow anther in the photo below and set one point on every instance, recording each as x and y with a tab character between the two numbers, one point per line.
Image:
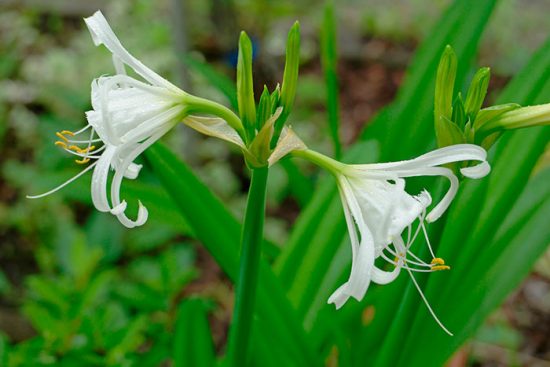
67	132
61	144
80	150
82	161
438	261
61	136
440	267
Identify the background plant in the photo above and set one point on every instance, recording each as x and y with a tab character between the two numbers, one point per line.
311	263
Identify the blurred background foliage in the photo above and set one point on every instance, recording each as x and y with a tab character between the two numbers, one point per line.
76	288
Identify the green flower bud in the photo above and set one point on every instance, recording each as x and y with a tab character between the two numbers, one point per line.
290	76
245	87
264	108
520	117
444	86
477	92
487	115
459	113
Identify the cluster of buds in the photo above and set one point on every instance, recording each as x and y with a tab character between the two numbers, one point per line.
461	120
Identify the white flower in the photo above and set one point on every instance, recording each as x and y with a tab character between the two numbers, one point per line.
128	116
378	211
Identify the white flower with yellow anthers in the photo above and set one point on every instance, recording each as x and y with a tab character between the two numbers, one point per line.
128	116
378	211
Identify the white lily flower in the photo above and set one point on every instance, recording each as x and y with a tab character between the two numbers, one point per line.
128	116
379	211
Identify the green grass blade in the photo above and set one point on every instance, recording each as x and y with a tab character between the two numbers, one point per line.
330	64
192	340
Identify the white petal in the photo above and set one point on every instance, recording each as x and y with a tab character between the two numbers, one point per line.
442	206
135	150
479	171
120	208
99	180
96	120
103	34
164	120
361	267
387	209
450	154
382	277
340	296
132	171
362	253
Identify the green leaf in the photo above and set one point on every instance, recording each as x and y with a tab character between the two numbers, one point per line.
329	62
193	344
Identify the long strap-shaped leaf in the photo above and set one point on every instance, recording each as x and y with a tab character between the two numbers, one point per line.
220	233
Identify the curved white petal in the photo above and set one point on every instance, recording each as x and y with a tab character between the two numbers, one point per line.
442	206
103	34
99	180
479	171
362	252
120	208
132	171
339	297
450	154
164	121
382	277
119	175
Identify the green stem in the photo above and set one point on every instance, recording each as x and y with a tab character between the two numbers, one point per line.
245	297
197	104
323	161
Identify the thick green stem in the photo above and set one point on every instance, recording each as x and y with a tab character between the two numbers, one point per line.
245	297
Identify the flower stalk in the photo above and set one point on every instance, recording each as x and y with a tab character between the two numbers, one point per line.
251	250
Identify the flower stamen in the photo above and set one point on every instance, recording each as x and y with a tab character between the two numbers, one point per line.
82	161
61	136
